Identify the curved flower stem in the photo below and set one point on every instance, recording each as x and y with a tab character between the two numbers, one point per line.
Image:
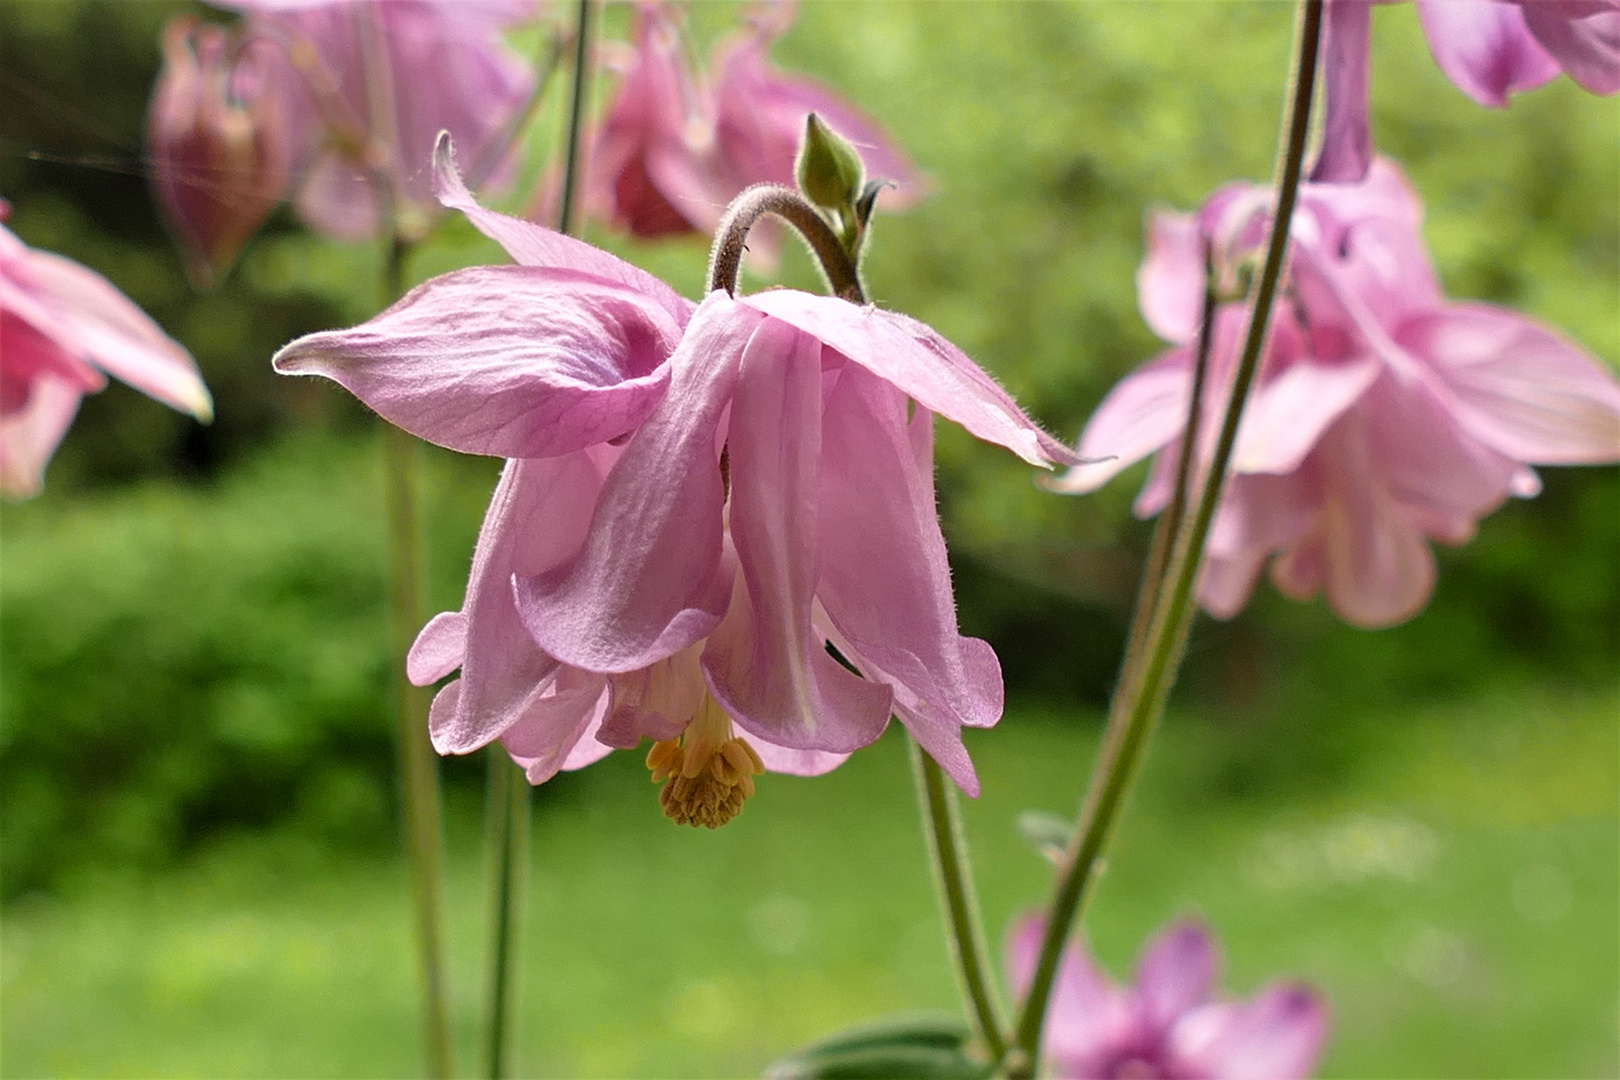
507	833
1140	698
419	779
954	881
730	239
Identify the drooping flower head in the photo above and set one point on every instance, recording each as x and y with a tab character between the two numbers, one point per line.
63	329
716	529
673	149
1169	1025
1490	49
1383	416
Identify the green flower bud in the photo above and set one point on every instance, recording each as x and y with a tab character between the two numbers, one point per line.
828	169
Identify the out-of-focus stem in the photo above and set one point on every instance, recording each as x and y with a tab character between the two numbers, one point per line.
579	90
1139	700
953	880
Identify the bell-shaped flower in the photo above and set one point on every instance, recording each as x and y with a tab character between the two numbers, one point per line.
367	85
673	149
717	529
1489	48
220	153
1383	416
63	329
1169	1024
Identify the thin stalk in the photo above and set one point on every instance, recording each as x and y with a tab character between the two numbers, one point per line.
953	879
508	796
1139	700
730	239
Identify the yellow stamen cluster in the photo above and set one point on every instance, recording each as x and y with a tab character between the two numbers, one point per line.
705	779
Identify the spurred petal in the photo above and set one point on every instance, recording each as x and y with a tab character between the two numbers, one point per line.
1277	1036
1347	146
1584	38
532	245
29	435
1143	412
1519	387
920	362
513	361
1170	281
648	581
1485	48
536	519
1176	973
885	579
766	663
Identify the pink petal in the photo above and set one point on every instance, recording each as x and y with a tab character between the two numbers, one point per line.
765	663
921	363
1584	38
648	582
1143	412
1089	1021
29	435
1286	415
1176	973
513	361
1485	48
782	759
885	579
1170	281
1519	387
438	650
555	724
536	519
1277	1036
532	245
1226	582
1347	145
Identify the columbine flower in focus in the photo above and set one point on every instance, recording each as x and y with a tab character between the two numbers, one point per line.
63	329
699	501
1168	1024
1489	48
671	153
1383	416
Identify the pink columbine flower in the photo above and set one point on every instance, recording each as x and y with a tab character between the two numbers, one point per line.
1489	48
63	329
1169	1024
367	85
220	153
671	153
700	499
1383	416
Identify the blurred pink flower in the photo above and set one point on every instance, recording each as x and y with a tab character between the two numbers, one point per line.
367	85
1383	416
671	153
62	326
700	500
1489	48
1169	1024
220	155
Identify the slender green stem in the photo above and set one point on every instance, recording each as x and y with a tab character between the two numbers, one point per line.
730	239
1140	698
508	796
953	879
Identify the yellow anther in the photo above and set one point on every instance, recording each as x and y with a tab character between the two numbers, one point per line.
664	758
707	773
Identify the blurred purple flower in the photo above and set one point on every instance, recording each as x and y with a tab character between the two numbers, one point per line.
1489	48
62	326
1383	416
1169	1024
671	153
700	500
218	142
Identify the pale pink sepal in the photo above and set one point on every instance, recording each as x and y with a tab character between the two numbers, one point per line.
1347	145
1485	48
1583	36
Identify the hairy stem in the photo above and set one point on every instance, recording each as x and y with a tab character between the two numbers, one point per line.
730	239
953	881
1139	700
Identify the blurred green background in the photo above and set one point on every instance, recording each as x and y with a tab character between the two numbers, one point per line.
197	858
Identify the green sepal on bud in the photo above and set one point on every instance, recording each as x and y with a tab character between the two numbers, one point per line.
828	169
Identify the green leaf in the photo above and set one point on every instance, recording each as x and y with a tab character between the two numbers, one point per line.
921	1045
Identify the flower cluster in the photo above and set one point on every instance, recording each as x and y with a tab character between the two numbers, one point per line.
63	329
716	529
1383	417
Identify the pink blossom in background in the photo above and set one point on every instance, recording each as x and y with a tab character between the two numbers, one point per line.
1383	416
221	158
63	329
672	149
367	85
1489	48
699	499
1169	1024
